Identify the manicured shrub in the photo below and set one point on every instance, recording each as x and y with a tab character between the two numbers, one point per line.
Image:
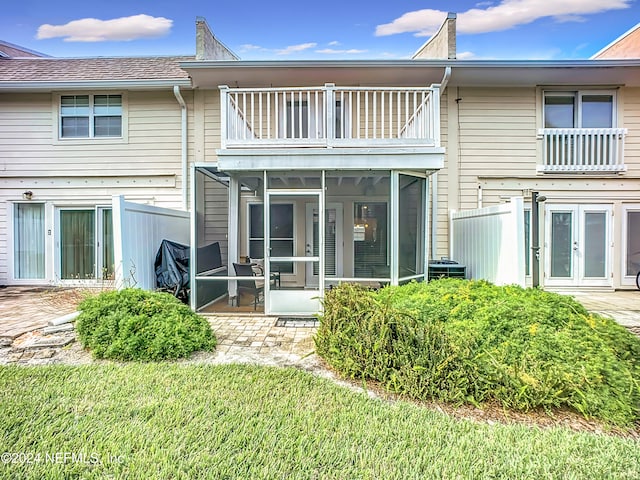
134	324
471	341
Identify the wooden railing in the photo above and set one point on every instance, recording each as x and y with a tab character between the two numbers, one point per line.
330	116
582	149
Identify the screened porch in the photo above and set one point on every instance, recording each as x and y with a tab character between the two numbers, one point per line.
286	237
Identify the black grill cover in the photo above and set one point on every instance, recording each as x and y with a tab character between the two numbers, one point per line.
172	266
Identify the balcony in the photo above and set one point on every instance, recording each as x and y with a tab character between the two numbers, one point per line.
329	117
580	150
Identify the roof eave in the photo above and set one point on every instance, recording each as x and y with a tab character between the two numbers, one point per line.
95	85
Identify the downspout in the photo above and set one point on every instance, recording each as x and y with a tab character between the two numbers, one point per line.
434	180
185	176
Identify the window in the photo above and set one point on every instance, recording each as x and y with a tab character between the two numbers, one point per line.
281	233
90	116
579	109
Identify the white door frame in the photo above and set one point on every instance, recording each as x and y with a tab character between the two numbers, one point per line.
577	277
293	301
310	278
626	280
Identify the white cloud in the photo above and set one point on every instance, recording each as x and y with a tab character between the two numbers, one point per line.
465	55
506	14
248	46
296	48
333	51
334	43
117	29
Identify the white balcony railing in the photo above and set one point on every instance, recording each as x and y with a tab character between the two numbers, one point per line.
330	116
582	149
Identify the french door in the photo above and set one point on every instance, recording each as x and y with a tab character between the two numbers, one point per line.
333	244
578	245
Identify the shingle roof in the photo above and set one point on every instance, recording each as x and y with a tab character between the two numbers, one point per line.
91	69
16	51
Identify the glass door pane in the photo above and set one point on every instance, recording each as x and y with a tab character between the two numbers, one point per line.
28	241
633	243
77	244
595	244
106	244
332	241
562	244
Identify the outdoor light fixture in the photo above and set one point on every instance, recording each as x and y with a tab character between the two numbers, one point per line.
28	195
541	198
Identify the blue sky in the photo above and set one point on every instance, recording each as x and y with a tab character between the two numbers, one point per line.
293	29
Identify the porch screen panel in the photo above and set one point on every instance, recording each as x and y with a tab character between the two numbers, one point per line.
29	241
77	244
370	240
411	238
281	216
633	243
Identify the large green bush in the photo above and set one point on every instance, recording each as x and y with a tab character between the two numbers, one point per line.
471	341
134	324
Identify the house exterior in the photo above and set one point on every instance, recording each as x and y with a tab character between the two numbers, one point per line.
626	45
321	171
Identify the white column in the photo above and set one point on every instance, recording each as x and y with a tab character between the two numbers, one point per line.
233	231
193	223
395	227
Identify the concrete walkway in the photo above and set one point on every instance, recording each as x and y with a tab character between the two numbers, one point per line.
623	306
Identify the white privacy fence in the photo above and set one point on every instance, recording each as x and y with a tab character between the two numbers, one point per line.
490	242
138	231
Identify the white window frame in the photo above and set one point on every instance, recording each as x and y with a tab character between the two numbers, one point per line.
578	94
56	109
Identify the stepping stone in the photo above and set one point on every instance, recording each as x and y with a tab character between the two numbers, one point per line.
65	327
47	342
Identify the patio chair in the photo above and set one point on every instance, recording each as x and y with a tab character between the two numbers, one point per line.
254	287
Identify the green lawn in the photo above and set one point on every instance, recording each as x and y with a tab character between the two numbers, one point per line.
183	421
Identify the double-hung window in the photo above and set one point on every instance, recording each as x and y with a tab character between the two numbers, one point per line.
579	109
90	116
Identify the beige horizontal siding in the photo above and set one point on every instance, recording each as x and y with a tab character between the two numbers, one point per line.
631	121
28	144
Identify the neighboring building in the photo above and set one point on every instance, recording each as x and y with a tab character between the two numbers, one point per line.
625	46
328	170
9	50
74	133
